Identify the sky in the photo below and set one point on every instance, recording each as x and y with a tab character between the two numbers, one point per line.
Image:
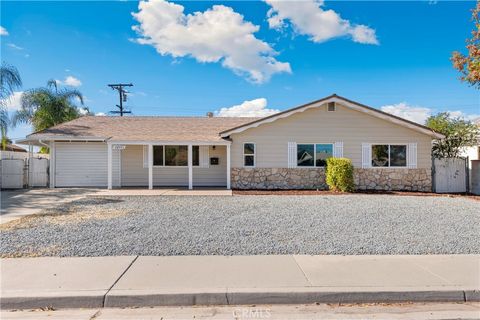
248	58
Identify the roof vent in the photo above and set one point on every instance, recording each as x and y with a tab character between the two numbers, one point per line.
331	106
210	114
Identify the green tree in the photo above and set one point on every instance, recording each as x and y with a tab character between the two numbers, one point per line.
9	81
469	65
459	133
46	107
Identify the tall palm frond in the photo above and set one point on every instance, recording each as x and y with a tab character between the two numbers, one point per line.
9	81
49	106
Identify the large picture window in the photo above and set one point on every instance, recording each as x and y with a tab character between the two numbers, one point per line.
174	156
249	155
313	155
386	155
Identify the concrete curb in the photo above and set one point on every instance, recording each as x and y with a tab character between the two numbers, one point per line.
57	301
243	297
131	281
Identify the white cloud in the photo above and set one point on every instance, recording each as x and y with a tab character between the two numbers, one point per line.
83	111
100	114
420	114
70	81
249	108
405	111
3	31
217	35
309	18
13	102
14	46
460	114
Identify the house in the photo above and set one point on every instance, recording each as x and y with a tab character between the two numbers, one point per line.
13	148
284	151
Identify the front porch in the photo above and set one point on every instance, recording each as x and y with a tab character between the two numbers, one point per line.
163	191
168	164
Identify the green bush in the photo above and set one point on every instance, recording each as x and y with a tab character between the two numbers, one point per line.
340	174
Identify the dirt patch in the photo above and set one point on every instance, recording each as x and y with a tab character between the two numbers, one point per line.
53	250
75	212
328	192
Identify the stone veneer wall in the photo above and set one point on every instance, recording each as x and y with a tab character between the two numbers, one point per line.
314	178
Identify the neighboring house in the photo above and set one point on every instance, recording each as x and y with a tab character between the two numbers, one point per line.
13	148
472	153
283	151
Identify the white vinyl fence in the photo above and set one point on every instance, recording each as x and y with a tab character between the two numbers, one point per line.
450	175
37	172
18	171
12	173
21	155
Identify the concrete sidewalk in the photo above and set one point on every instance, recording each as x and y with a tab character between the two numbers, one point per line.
16	204
219	280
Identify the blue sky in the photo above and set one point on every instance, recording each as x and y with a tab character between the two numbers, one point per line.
390	55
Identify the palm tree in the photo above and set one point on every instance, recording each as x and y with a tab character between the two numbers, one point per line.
9	81
46	107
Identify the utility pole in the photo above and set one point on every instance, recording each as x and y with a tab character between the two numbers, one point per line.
122	93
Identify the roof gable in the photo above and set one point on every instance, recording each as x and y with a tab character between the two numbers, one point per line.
343	101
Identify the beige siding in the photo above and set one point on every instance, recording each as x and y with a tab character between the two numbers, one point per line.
134	174
80	164
320	126
214	175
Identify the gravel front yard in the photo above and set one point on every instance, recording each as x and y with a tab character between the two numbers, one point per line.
241	225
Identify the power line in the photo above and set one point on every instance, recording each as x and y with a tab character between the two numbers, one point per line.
122	94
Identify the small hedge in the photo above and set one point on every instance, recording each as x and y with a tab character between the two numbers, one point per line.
340	174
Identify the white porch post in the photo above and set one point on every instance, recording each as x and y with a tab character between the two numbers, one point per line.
109	166
190	167
52	164
150	166
228	168
30	165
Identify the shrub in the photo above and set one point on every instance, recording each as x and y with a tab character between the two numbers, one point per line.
339	175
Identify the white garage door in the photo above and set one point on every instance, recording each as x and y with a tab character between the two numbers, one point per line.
80	164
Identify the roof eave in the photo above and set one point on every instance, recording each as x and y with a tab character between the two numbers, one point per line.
334	98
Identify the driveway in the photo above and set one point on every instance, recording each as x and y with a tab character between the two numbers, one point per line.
19	203
246	225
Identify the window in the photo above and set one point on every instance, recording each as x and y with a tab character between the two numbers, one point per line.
322	152
305	155
313	155
158	155
385	155
195	156
331	106
172	156
249	154
176	156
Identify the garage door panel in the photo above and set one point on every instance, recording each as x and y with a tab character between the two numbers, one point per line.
81	164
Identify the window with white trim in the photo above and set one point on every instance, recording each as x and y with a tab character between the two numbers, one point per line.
389	155
313	154
249	154
172	156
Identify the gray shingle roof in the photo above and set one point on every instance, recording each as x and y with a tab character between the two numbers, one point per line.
138	128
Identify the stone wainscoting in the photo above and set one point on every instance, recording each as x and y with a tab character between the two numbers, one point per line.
314	178
393	179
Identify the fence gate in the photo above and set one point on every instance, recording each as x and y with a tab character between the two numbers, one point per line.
450	175
12	174
38	172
